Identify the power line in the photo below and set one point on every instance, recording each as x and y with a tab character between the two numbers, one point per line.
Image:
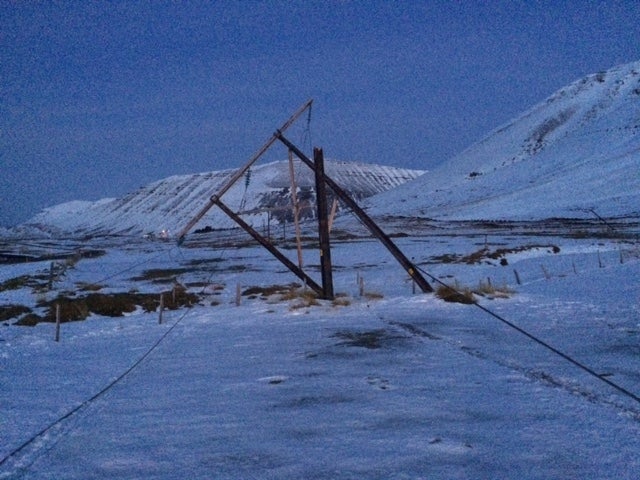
94	397
546	345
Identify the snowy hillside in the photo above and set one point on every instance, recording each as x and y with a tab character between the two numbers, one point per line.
576	151
380	385
165	206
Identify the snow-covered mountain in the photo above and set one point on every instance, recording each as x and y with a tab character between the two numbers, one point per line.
165	206
576	153
578	150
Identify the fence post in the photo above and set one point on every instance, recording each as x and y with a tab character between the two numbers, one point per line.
51	270
517	276
57	322
545	272
161	308
238	294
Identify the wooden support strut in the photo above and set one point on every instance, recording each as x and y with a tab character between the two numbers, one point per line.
269	246
364	218
239	173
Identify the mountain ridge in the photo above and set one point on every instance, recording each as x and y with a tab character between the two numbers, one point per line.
576	151
573	155
163	207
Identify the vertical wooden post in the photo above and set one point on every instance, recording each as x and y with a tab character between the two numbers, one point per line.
323	225
517	276
296	208
364	218
51	269
238	294
268	235
57	322
334	209
545	272
161	308
361	286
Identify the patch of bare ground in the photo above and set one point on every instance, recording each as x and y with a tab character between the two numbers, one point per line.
270	290
486	254
369	339
8	312
108	305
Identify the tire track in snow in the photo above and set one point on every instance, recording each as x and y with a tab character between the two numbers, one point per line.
536	375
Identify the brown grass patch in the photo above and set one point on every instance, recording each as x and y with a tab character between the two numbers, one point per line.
7	312
455	294
487	289
284	290
110	305
17	283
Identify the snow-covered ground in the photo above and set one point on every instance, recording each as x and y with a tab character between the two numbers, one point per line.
392	384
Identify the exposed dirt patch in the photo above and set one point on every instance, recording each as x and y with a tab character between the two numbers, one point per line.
271	290
371	339
17	283
485	254
8	312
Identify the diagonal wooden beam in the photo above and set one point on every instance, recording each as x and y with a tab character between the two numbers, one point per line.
269	246
373	227
240	172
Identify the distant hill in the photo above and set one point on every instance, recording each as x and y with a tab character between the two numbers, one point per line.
578	150
165	206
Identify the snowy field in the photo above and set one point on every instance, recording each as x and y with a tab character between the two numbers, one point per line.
391	384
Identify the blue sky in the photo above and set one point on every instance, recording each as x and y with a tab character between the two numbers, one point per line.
100	98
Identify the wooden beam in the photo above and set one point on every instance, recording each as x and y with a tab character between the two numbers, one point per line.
365	219
240	172
323	225
269	246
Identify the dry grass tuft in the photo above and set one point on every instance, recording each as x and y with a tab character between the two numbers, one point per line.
455	294
373	295
341	300
487	289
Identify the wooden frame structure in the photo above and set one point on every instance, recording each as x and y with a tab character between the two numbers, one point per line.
322	181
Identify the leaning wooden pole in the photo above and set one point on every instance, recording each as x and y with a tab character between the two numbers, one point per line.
239	173
323	225
364	218
269	246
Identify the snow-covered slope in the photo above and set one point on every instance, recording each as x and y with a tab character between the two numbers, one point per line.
578	150
165	206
